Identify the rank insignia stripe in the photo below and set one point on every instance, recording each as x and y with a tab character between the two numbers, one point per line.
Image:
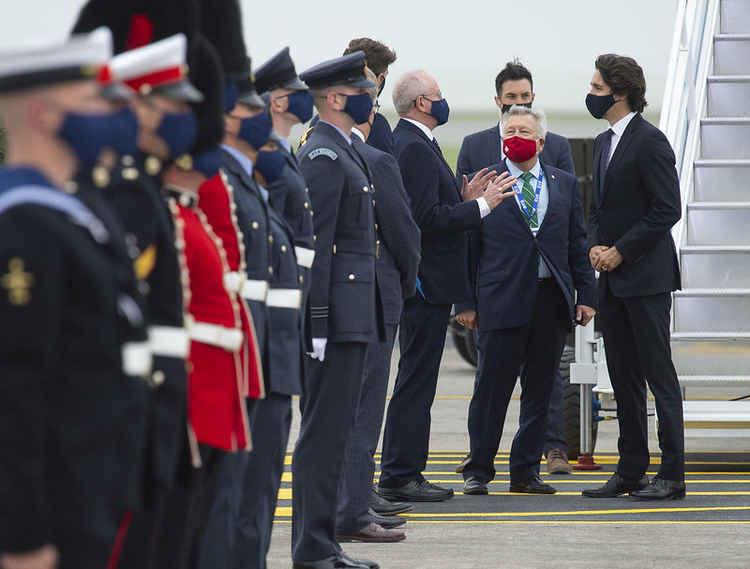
145	263
327	152
17	282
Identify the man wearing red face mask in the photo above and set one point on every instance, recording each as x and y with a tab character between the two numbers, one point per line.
531	281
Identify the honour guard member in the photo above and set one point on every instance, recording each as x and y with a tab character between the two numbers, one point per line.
72	413
396	268
346	310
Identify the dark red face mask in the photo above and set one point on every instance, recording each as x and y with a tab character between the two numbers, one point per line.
519	149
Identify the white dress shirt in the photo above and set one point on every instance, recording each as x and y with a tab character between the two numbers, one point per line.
618	129
359	134
484	208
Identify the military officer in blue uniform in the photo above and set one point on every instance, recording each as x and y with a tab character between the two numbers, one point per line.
346	309
73	392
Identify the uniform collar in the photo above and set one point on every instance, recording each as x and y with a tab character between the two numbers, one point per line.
345	135
427	132
244	161
14	176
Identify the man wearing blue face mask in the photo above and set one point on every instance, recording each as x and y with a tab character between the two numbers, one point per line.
444	212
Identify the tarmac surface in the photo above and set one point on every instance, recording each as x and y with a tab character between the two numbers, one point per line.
710	528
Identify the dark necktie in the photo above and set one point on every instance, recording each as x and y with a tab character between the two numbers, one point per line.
437	146
604	160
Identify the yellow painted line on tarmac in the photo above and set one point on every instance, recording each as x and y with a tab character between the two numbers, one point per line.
579	522
286	476
579	512
581	473
285	493
690	492
283	511
603	480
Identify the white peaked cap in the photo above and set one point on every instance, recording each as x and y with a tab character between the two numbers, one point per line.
81	57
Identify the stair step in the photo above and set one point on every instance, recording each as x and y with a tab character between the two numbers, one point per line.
727	137
732	54
712	310
718	223
714	380
729	96
706	353
722	267
721	180
735	16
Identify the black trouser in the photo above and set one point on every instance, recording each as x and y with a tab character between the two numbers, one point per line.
406	440
359	466
261	480
636	337
538	345
328	405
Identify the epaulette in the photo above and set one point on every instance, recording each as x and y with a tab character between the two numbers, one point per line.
305	136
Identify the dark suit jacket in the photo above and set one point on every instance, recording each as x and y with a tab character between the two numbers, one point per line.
440	214
344	300
640	203
399	256
480	149
381	136
505	256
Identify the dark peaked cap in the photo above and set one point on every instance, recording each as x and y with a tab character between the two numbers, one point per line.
135	23
346	70
278	73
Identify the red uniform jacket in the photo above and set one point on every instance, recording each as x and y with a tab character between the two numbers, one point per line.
215	199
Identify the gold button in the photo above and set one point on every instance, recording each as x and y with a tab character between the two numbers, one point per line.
158	377
373	203
283	248
127	160
311	212
270	238
376	227
130	174
351	276
256	225
270	270
301	279
365	189
315	237
307	205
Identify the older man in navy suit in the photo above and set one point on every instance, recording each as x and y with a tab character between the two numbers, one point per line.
514	85
531	280
444	214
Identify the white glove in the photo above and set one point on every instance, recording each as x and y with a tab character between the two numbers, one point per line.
319	349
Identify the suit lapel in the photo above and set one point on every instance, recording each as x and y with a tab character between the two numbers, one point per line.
622	146
495	145
553	195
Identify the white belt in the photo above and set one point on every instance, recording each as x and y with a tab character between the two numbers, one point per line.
285	298
169	341
255	290
216	335
136	358
305	257
233	281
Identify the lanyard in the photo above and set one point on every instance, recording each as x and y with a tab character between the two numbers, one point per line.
537	193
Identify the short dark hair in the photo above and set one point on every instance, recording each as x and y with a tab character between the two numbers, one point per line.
379	56
625	77
513	71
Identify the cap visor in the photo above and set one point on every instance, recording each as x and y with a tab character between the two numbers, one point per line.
297	84
252	98
181	91
365	83
116	92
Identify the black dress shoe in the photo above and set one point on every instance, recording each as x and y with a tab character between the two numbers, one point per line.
340	561
365	562
533	485
416	491
616	486
661	489
388	522
387	508
474	487
372	533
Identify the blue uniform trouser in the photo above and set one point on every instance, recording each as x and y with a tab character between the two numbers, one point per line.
359	464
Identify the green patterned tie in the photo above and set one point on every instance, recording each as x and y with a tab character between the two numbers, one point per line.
528	195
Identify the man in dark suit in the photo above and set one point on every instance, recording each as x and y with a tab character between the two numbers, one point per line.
396	268
443	214
514	85
525	299
636	202
346	311
379	57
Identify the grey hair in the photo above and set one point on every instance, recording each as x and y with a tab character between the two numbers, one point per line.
520	111
406	90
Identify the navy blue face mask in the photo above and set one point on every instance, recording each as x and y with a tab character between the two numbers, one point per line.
270	163
440	111
90	133
126	142
179	131
598	105
256	130
358	107
208	163
301	105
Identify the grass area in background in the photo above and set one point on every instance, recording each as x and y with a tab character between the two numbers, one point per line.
451	155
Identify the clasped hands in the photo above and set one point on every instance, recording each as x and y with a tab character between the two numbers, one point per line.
605	259
488	185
